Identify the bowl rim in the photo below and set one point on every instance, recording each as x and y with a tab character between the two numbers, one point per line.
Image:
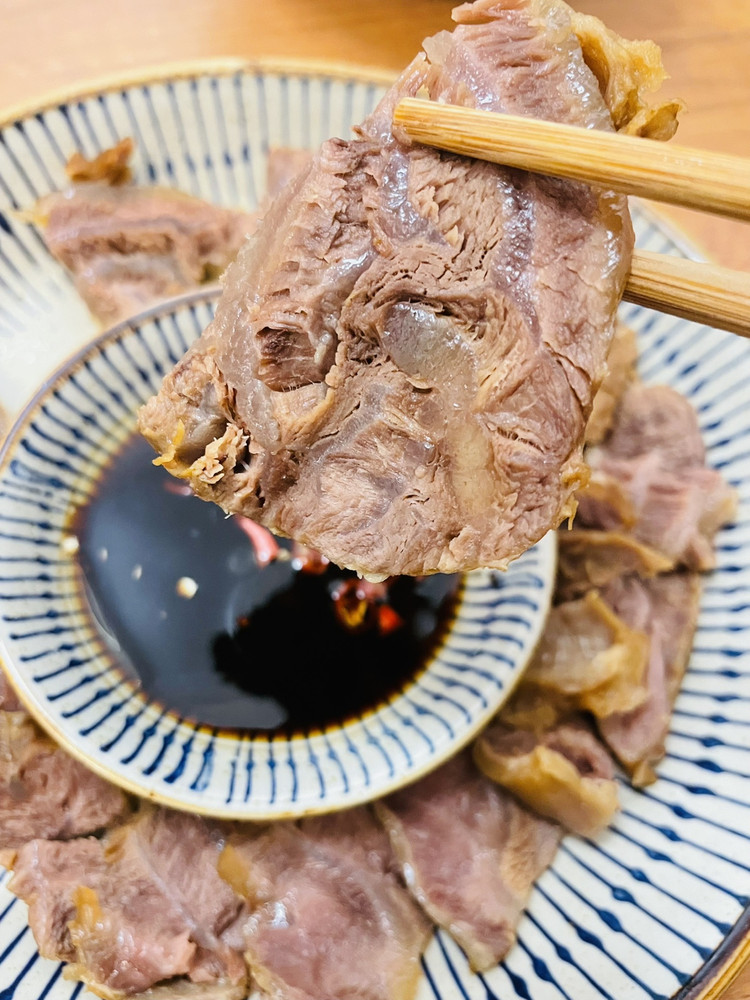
546	547
190	69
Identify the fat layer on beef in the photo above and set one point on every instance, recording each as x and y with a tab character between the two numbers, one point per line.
562	772
592	559
627	71
404	355
470	854
328	917
589	659
144	904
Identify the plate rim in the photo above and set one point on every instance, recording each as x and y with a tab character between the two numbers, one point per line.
732	954
720	969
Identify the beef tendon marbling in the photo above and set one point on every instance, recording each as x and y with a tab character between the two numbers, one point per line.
405	353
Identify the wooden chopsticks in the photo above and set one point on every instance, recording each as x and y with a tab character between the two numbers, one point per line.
698	291
710	182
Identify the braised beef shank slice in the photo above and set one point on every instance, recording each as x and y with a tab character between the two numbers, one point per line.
43	791
404	355
143	905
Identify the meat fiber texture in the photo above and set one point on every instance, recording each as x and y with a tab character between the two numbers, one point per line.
470	854
43	791
617	643
329	918
652	479
405	353
646	523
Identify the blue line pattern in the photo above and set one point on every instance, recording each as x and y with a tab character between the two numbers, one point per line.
71	672
634	913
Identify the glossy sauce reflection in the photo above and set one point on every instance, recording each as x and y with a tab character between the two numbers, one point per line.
218	622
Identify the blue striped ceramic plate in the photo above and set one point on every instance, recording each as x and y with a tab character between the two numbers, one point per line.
655	907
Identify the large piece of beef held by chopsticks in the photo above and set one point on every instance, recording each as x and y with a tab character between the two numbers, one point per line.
405	353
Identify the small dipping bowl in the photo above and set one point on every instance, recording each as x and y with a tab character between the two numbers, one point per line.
154	705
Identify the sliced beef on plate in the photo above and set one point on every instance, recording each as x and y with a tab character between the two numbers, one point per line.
43	877
656	419
328	917
589	559
67	887
621	359
589	658
655	457
628	73
676	513
470	854
666	608
43	791
563	773
128	247
142	905
404	355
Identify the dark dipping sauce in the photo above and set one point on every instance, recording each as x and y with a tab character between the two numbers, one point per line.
257	647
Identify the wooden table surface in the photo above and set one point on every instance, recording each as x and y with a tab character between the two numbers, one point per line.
49	44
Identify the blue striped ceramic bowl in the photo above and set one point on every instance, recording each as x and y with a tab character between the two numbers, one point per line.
653	908
68	669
